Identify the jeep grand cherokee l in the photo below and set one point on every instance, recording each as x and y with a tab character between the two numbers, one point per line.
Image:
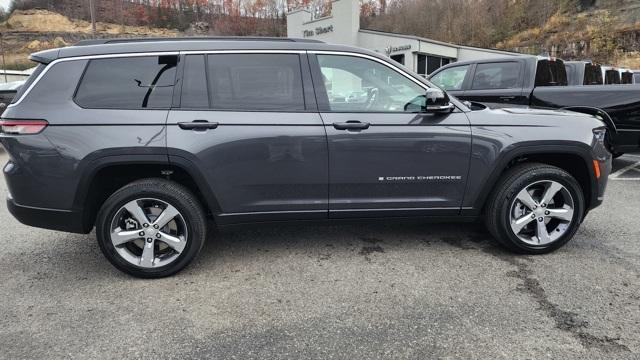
146	140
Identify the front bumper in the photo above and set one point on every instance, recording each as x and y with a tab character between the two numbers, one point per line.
605	165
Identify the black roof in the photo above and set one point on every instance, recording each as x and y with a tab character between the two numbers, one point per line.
142	45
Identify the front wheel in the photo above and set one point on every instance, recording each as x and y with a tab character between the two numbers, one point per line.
151	228
535	209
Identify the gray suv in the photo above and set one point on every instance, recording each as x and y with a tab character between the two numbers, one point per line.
148	140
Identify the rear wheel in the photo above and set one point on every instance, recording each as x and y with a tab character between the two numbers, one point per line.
535	209
151	228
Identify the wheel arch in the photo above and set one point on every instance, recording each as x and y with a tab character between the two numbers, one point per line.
105	175
575	159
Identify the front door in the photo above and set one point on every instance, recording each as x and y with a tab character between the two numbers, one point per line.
384	159
249	124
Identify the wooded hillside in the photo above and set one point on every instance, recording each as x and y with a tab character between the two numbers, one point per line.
607	31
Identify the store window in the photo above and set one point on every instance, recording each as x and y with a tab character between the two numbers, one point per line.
398	58
430	63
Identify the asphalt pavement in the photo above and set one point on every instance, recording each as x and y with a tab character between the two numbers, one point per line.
318	291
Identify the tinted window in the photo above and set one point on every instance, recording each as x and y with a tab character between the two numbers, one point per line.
433	63
496	76
362	85
427	64
194	83
612	77
551	73
592	74
398	58
451	78
255	82
128	83
28	82
422	64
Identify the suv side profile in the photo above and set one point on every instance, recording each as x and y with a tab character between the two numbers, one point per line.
148	140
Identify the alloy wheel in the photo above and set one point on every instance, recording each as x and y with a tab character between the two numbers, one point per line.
541	212
148	232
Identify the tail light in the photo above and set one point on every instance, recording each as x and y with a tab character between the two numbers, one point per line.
22	127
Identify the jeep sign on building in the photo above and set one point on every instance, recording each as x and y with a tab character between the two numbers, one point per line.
342	26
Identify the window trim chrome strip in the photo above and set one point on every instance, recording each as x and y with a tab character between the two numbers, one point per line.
226	51
365	56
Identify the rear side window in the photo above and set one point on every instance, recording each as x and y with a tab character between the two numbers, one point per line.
144	82
194	84
254	82
34	75
501	75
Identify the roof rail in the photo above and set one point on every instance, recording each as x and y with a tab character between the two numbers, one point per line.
191	38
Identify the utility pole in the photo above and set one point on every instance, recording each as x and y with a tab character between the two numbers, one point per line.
93	17
4	66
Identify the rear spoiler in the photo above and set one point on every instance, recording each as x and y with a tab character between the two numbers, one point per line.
45	56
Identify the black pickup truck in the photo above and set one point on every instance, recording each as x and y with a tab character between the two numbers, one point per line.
542	82
584	73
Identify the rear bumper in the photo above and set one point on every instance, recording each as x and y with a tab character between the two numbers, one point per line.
53	219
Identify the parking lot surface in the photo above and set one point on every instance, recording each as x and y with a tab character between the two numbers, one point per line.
365	291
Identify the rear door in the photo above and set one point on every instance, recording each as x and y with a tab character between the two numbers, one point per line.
497	84
385	160
248	123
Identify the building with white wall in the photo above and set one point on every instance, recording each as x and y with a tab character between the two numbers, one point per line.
14	75
342	26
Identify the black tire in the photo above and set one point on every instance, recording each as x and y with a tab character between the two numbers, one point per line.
170	192
497	210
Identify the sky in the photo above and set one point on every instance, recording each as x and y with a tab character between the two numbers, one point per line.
5	3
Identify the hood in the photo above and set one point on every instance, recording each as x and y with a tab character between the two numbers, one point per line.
541	112
524	116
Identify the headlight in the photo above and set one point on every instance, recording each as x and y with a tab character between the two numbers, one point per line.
599	134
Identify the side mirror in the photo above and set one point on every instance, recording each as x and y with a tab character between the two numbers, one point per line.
437	101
